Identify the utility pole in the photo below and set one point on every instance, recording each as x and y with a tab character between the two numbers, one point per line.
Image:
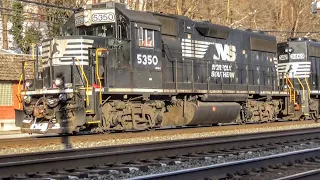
5	25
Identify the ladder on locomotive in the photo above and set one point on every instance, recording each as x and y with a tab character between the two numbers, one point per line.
97	73
87	88
292	91
302	95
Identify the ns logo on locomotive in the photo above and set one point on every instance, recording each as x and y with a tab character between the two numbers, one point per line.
116	69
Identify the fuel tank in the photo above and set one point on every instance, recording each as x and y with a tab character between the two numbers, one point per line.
201	113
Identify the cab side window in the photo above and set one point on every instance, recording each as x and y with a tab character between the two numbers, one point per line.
146	37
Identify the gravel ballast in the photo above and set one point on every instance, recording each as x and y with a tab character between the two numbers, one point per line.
206	162
143	139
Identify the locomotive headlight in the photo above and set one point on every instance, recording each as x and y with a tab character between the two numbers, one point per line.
289	50
86	13
58	82
86	16
27	99
28	84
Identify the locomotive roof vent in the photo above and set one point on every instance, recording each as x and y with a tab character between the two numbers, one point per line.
203	20
255	31
298	39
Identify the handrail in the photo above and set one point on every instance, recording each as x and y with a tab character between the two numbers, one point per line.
87	82
97	71
302	88
309	91
19	91
294	93
21	77
289	91
33	45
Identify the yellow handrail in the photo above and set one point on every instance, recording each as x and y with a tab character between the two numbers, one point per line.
289	91
87	83
33	45
21	77
302	88
97	71
294	93
19	92
308	87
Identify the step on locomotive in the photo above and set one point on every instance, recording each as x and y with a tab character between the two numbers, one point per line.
116	69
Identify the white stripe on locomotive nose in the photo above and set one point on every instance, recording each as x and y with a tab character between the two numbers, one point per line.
82	46
187	47
194	48
186	40
67	56
203	42
201	49
67	52
199	46
79	40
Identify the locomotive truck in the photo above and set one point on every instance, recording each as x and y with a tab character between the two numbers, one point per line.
116	69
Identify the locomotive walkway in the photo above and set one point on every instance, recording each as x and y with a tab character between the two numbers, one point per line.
102	160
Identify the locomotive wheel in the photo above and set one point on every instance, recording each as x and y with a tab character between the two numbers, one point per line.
302	118
240	121
315	116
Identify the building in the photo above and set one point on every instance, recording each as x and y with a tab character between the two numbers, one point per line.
11	69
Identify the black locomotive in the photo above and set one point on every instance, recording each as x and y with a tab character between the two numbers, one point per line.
118	69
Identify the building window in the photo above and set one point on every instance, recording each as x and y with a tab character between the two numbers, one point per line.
6	94
146	37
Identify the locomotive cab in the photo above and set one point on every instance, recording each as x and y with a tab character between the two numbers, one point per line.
104	48
296	68
132	39
292	55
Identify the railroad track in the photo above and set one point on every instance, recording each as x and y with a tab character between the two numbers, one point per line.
52	139
303	164
104	160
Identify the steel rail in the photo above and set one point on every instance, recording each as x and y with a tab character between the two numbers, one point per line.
313	174
81	158
31	140
56	139
231	167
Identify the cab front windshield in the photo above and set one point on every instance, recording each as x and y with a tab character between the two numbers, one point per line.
102	30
